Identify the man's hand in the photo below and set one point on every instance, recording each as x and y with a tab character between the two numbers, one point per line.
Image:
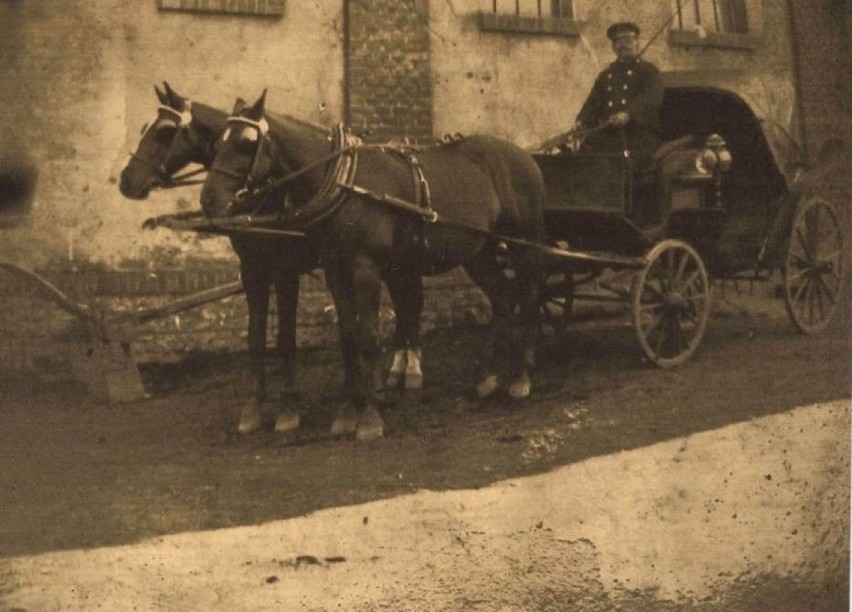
619	119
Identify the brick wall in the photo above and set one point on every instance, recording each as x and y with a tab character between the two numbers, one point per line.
388	90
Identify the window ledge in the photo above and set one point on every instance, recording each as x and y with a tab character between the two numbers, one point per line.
255	8
491	22
713	40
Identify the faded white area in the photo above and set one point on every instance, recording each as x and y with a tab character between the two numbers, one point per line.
684	519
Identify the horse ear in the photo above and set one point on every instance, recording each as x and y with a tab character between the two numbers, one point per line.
239	105
259	106
162	97
174	97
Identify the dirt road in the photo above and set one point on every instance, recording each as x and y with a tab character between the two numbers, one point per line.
76	475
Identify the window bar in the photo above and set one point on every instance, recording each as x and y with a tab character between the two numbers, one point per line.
518	8
697	12
716	15
679	15
539	9
494	6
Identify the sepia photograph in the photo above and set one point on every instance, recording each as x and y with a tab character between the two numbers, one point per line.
425	305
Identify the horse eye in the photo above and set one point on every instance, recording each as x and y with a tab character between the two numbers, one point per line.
165	132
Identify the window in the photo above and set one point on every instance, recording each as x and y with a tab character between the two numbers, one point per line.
559	9
713	23
261	8
713	15
530	17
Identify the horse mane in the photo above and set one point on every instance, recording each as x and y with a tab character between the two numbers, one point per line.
285	121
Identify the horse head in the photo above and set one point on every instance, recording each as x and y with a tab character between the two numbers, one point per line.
247	158
182	133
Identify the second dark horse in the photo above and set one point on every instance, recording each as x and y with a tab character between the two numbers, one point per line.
370	223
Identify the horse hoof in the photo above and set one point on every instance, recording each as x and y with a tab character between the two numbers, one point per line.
370	425
413	381
487	386
286	421
249	420
397	369
343	426
520	389
393	380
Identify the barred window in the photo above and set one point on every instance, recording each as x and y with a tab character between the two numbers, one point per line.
724	16
547	17
259	8
557	9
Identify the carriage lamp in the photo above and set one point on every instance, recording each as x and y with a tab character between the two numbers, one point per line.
714	156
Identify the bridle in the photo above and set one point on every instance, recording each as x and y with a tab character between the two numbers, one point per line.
252	188
163	179
249	182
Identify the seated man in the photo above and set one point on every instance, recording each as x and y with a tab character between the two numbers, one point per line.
625	105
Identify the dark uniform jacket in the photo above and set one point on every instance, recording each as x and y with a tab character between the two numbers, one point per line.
633	86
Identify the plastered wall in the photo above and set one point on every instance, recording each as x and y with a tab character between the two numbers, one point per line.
78	76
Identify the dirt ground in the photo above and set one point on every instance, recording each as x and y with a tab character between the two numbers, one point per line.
75	474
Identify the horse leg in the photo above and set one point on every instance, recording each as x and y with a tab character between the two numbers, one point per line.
526	328
357	297
287	299
345	421
257	296
406	291
486	271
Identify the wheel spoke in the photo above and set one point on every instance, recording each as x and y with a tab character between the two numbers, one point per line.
801	288
830	292
661	337
800	260
805	245
661	293
798	273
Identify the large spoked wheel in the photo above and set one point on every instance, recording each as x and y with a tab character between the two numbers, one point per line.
813	271
557	301
670	303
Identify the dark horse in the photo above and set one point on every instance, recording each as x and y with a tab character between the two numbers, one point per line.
186	132
370	223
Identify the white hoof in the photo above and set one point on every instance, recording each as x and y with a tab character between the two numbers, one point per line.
413	373
249	420
520	388
287	421
343	426
370	425
487	386
397	370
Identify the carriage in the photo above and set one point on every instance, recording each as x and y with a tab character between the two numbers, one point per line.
741	207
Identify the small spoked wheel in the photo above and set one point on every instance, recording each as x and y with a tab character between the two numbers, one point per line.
557	301
813	270
670	303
